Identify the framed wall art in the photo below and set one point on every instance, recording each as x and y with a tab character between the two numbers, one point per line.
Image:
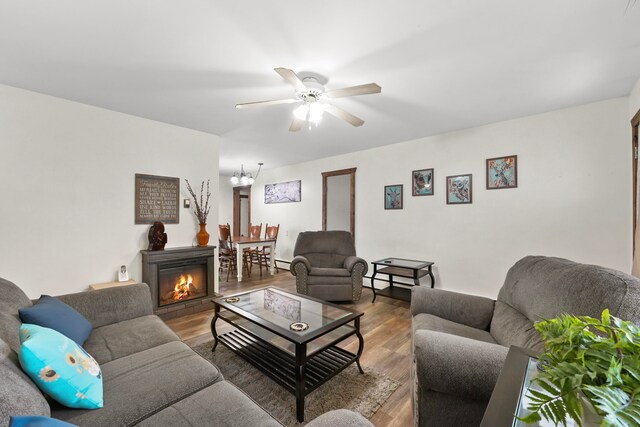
283	192
502	172
156	199
393	196
422	182
459	189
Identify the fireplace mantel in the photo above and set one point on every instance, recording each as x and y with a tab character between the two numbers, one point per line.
152	263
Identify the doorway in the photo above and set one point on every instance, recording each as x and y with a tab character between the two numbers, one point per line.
241	210
339	200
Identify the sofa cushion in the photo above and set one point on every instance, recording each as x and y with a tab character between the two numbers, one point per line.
60	367
509	327
111	305
438	324
141	384
539	287
340	272
37	421
19	395
50	312
329	280
221	404
121	339
543	287
325	242
323	260
12	300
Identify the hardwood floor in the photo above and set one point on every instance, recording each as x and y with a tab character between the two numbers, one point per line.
386	327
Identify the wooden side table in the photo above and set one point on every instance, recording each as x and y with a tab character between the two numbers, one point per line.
99	286
411	269
506	397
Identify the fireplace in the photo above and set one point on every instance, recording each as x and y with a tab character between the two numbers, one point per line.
180	279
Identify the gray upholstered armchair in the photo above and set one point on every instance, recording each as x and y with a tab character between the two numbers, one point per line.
460	341
326	266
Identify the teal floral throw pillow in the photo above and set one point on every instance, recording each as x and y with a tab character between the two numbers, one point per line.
60	367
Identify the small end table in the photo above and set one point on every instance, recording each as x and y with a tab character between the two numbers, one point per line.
409	268
506	399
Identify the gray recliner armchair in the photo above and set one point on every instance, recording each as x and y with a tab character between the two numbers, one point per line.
460	341
326	266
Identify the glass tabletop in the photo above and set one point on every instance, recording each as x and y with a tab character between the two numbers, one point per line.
524	401
282	309
403	263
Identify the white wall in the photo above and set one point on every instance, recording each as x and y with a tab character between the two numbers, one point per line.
572	200
67	189
634	100
225	201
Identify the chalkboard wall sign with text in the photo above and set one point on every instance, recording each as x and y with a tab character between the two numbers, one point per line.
157	199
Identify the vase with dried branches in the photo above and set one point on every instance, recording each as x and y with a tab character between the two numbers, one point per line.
201	210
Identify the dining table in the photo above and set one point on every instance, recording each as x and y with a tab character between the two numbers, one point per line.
244	242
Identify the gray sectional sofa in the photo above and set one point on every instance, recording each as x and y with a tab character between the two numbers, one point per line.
460	341
150	377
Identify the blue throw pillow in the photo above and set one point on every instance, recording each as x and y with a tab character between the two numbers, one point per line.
37	421
50	312
60	367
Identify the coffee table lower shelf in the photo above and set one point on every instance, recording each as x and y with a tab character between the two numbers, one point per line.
280	366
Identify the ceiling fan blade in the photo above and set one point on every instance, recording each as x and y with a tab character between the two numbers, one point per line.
264	103
291	77
341	114
296	125
354	90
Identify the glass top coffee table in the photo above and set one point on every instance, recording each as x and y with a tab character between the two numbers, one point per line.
409	268
291	338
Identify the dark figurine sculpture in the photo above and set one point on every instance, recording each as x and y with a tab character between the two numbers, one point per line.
157	237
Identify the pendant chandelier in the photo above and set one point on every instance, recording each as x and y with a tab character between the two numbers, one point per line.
243	177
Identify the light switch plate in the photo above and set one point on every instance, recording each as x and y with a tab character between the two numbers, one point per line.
186	203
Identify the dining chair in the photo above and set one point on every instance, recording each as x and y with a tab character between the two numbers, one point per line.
226	252
270	232
251	254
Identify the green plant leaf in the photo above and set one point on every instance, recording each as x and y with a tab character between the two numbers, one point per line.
599	358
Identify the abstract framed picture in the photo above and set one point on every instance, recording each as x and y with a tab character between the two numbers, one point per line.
459	189
283	192
502	172
422	182
393	196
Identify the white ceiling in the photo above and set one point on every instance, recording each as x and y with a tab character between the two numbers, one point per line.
442	65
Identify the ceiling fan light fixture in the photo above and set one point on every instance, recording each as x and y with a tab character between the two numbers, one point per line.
310	91
315	112
301	112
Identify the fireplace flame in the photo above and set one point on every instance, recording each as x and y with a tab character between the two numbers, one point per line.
183	287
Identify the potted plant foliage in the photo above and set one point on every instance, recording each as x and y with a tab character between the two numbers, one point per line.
201	211
589	366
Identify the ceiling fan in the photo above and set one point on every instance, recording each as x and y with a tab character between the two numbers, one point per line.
311	93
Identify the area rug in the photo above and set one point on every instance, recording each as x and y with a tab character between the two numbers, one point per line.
348	390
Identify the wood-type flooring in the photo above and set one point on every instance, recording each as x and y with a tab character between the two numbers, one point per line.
386	327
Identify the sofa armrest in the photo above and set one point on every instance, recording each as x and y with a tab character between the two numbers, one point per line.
457	366
299	260
111	305
470	310
340	418
351	262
